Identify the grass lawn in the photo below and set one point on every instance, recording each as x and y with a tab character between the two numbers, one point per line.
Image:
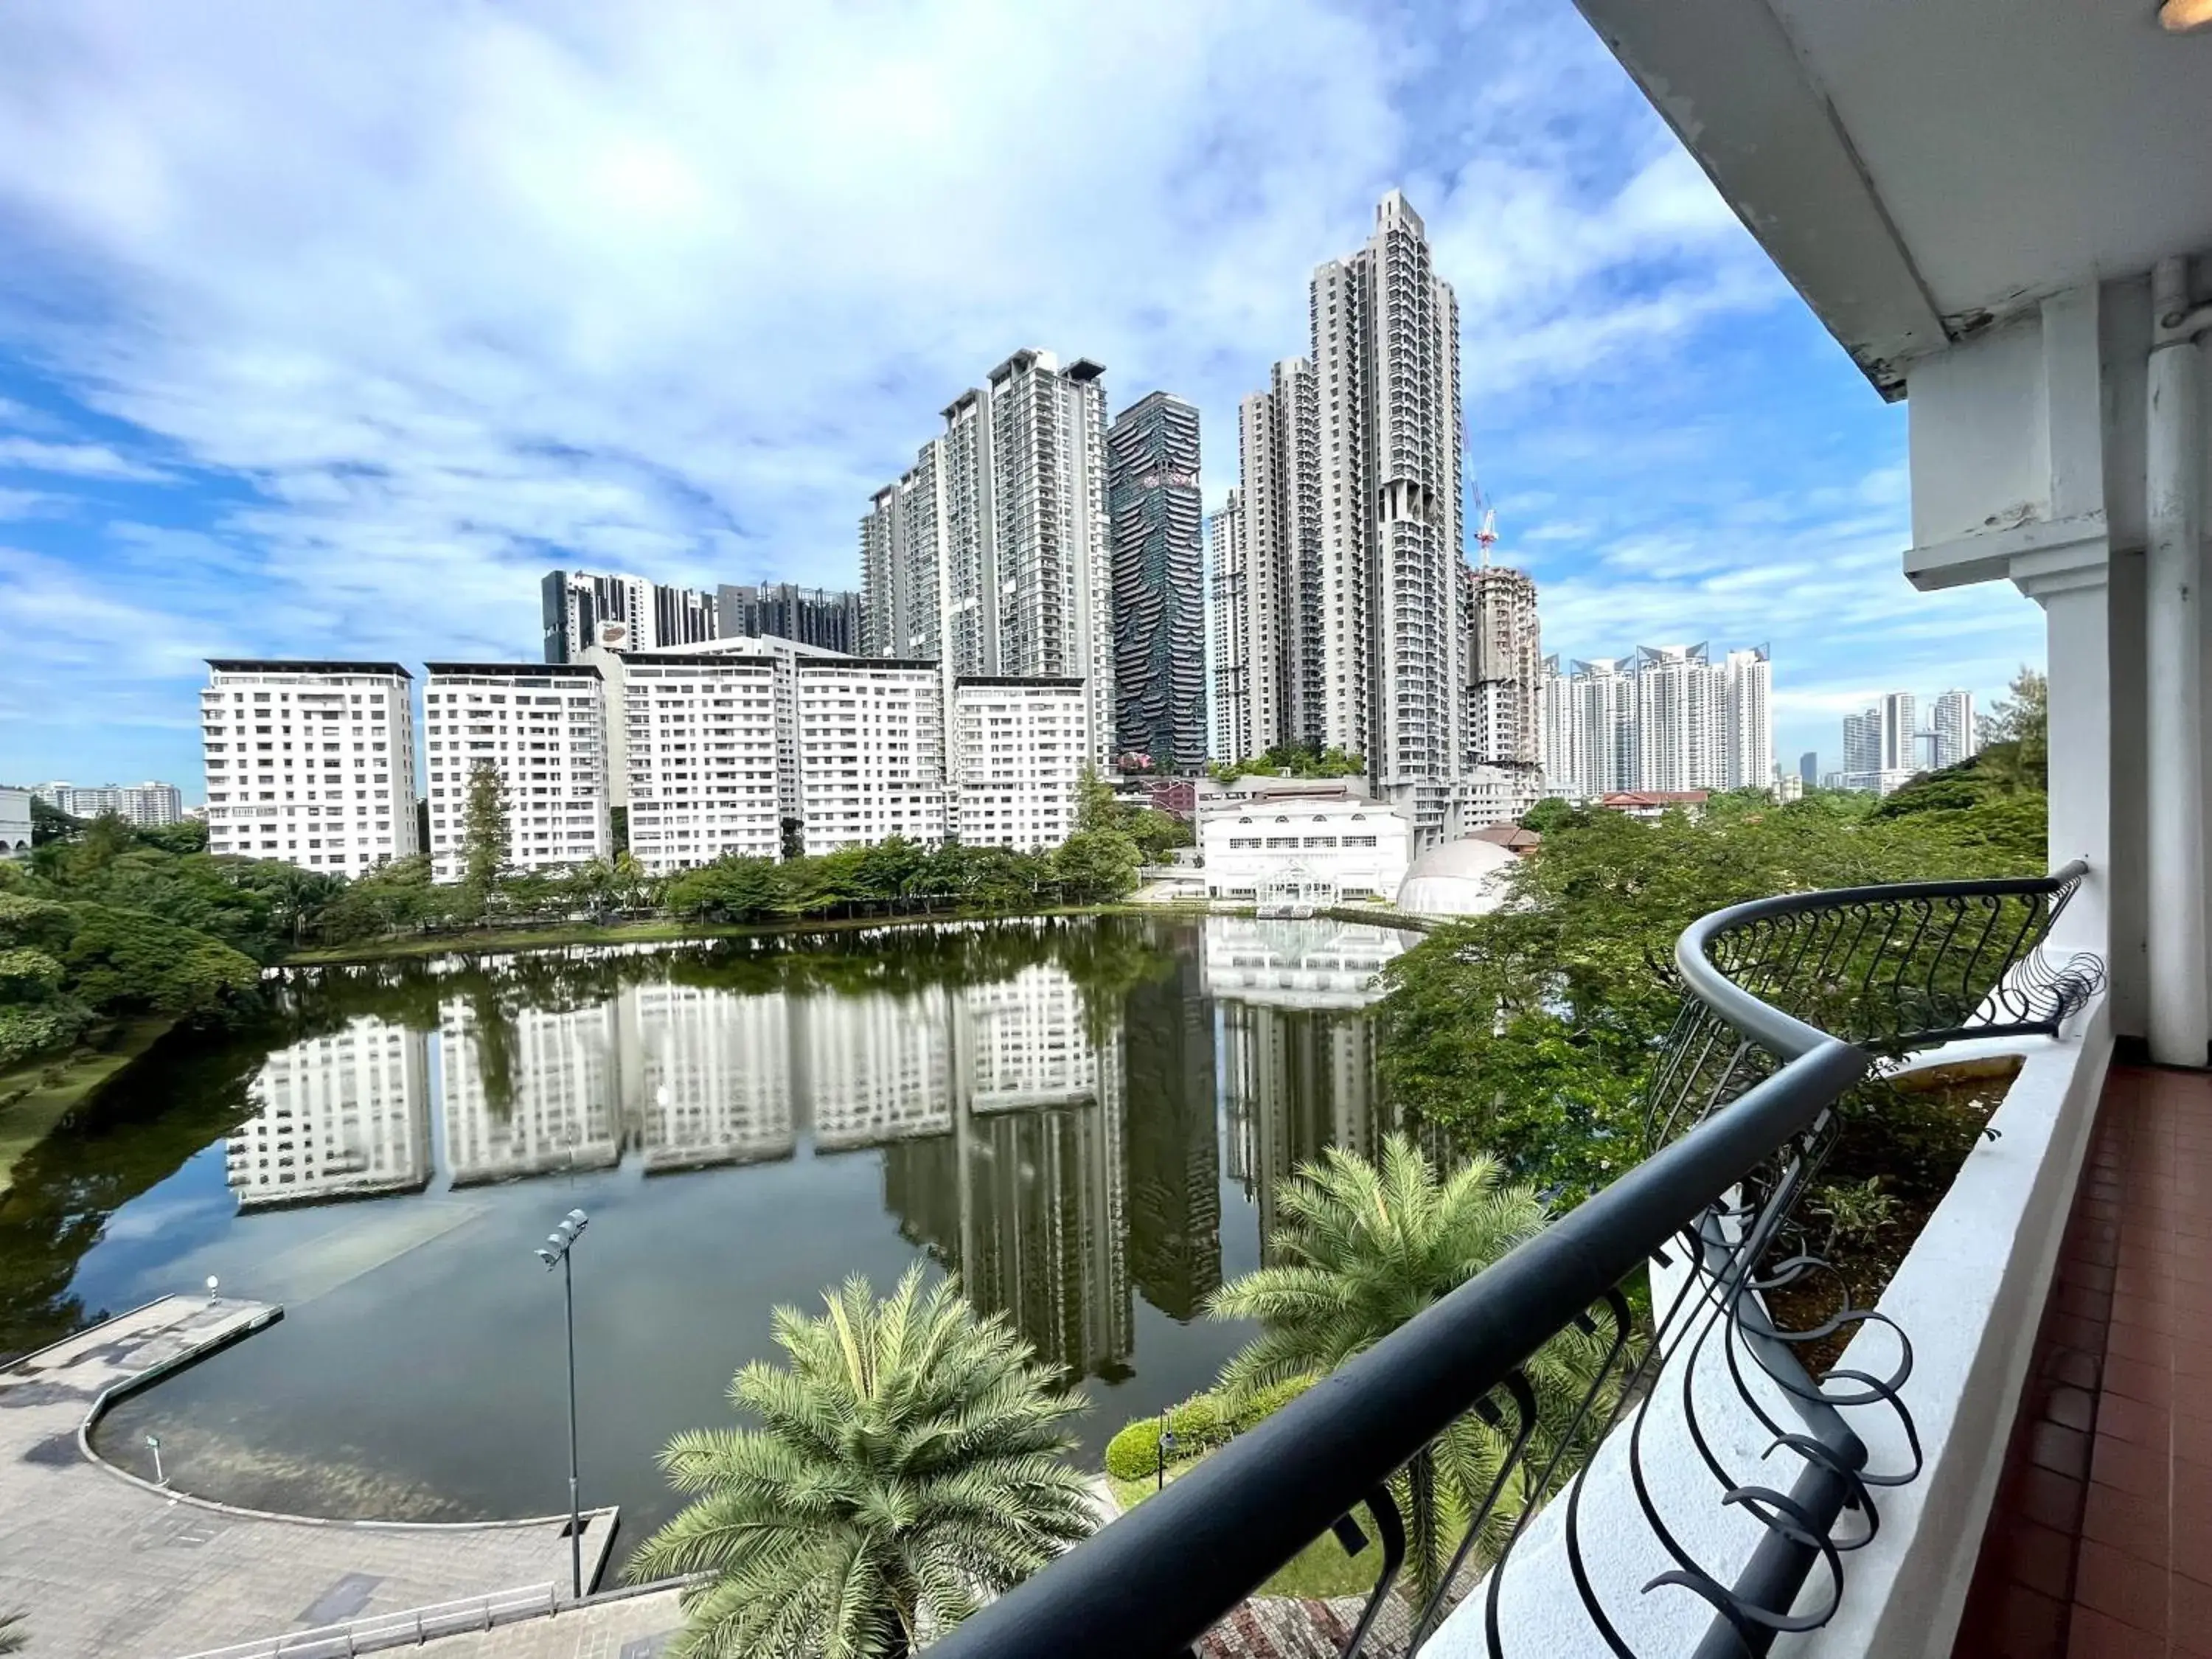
660	932
29	1115
1320	1571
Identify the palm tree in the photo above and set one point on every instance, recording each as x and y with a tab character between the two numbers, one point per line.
910	1465
12	1637
1361	1248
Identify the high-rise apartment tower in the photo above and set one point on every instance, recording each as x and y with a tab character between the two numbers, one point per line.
1350	468
989	554
1155	514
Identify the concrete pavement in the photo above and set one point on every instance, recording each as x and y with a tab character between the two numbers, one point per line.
107	1566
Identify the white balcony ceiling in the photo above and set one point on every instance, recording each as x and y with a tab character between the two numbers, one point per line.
1919	168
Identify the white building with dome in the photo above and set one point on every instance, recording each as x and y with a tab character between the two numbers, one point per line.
1457	879
1303	845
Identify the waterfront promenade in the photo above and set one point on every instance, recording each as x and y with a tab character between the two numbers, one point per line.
106	1566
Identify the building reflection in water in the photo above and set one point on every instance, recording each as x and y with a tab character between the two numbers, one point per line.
531	1091
712	1075
1173	1155
1298	1055
1059	1159
1023	1194
345	1115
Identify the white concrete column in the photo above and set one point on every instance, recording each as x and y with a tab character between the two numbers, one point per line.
2180	1010
2071	586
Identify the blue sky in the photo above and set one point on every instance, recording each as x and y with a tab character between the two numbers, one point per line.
326	329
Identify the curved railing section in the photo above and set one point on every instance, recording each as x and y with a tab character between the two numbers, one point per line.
1650	1298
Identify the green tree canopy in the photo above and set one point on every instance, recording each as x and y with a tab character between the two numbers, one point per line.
1097	866
1293	760
484	837
1528	1030
910	1462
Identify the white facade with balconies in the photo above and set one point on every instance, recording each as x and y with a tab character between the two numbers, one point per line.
870	752
699	751
542	728
310	762
1018	750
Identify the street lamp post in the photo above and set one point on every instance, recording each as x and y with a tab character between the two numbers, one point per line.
1166	1451
554	1253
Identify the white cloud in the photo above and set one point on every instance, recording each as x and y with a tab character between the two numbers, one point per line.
75	460
67	629
31	503
467	289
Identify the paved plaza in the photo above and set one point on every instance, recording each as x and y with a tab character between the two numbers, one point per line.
106	1567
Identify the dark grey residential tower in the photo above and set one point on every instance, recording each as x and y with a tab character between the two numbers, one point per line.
1154	521
619	613
811	616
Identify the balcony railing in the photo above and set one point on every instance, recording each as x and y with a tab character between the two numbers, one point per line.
1657	1282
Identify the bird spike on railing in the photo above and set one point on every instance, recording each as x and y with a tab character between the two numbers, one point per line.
1788	1003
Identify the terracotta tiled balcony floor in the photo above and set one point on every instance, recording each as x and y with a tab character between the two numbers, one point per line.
2101	1543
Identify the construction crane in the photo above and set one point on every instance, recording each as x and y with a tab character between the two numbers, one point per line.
1486	534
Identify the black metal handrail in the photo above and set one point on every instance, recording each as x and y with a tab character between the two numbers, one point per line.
1712	1202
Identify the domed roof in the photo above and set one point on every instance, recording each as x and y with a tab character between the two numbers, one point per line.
1457	879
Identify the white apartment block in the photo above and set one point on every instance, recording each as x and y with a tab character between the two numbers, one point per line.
991	555
312	763
1276	630
144	806
871	752
1349	628
345	1115
1589	728
543	728
1680	719
1389	682
1670	718
698	752
1748	684
1953	724
1018	750
1228	663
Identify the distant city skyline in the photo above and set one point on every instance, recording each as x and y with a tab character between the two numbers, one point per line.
1892	738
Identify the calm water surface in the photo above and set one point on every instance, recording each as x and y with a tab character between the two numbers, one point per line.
1083	1118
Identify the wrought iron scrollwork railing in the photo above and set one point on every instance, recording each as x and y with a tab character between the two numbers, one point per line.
1638	1298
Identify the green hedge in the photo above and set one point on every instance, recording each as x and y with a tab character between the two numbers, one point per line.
1200	1424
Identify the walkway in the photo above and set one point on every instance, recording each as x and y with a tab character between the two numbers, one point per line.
2100	1541
104	1565
633	1627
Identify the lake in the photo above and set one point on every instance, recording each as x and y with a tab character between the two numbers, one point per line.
1084	1118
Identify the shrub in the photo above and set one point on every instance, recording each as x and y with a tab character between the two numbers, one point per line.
1200	1423
28	1031
1135	1452
1257	1407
